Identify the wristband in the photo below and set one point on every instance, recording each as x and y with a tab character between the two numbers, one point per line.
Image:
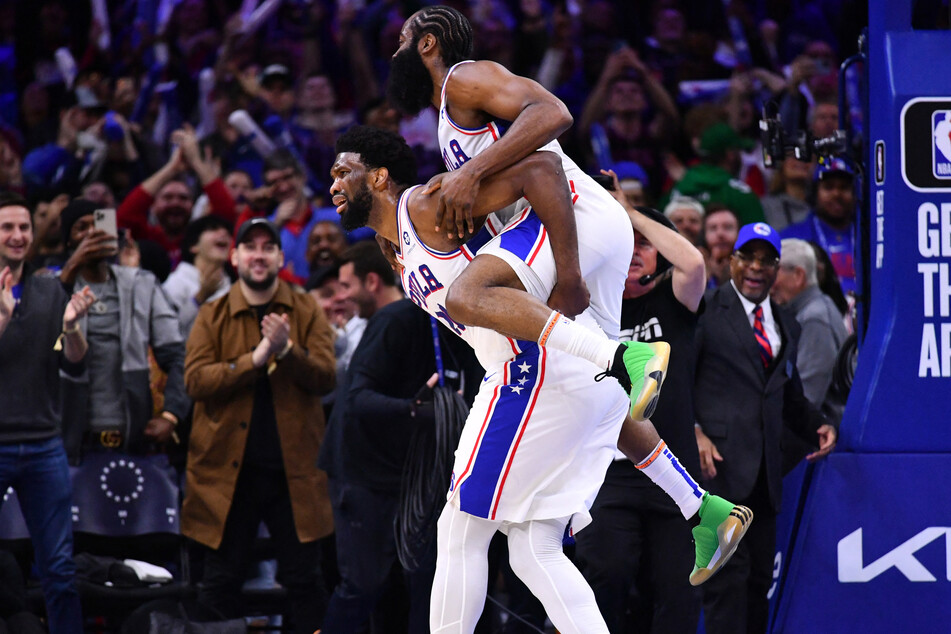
58	344
170	417
279	357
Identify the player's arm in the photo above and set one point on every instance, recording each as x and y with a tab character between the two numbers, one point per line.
537	117
539	178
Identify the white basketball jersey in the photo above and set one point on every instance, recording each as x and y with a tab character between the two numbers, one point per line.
426	277
459	144
605	235
541	432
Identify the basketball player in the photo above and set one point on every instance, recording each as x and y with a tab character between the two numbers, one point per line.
475	99
541	434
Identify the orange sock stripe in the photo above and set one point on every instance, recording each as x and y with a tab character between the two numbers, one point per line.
549	326
647	461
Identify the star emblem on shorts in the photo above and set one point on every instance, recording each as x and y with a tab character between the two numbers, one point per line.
517	389
522	381
524	367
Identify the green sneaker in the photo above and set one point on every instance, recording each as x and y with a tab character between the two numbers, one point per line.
640	368
722	526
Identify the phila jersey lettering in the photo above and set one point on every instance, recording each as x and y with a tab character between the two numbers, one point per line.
426	277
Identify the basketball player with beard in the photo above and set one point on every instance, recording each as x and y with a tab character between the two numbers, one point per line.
539	424
476	101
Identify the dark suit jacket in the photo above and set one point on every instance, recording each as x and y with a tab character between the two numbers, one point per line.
741	406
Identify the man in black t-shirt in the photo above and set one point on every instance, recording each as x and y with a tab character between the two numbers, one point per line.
638	535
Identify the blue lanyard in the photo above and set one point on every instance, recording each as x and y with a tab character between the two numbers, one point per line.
438	349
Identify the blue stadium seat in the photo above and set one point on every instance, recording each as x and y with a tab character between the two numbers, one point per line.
120	495
127	507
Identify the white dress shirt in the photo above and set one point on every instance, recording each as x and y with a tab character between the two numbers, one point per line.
769	322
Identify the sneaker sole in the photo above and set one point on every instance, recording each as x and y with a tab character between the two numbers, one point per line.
729	534
654	374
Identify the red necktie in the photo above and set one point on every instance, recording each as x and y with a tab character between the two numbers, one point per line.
765	350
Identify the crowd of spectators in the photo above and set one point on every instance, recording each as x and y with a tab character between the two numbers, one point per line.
192	117
172	110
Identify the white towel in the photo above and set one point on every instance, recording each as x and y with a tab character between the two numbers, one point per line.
148	572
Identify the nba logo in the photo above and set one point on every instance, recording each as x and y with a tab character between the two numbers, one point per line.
941	144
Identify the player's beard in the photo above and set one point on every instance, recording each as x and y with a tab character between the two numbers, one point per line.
410	86
358	209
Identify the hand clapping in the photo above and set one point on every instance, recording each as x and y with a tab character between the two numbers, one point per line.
276	330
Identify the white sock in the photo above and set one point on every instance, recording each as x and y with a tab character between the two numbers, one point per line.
563	334
663	468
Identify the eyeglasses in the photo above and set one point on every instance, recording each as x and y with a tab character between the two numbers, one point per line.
764	262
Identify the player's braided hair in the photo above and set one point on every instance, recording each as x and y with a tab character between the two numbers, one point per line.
450	28
380	148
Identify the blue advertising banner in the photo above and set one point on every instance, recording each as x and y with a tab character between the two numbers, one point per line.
873	550
795	489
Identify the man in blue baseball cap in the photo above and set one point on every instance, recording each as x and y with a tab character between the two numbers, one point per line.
831	224
758	231
747	396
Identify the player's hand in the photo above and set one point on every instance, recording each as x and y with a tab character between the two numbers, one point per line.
569	297
458	191
827	438
389	252
708	455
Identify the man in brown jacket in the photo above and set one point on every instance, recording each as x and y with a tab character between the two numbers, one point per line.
258	361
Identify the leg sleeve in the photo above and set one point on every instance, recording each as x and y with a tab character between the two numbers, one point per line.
538	558
462	568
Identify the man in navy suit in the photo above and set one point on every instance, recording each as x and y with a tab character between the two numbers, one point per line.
747	388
